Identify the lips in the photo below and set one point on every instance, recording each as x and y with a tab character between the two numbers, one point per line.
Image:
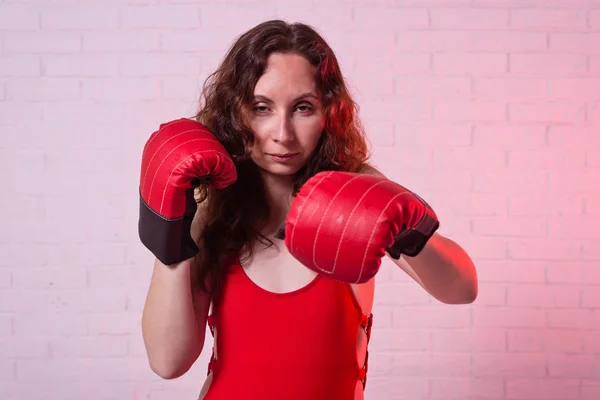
282	155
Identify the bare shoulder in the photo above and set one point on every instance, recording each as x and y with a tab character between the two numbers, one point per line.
371	170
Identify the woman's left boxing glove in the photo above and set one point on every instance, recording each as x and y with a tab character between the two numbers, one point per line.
341	224
177	158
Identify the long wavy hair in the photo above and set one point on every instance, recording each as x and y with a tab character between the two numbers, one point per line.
235	215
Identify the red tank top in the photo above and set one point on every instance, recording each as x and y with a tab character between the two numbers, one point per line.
296	346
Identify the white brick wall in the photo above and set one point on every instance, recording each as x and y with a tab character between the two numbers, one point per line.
490	109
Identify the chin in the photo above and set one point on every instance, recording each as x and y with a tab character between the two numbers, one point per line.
278	169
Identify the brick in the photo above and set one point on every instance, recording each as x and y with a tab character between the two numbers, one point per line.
512	271
89	347
548	112
474	340
580	42
594	67
574	319
434	40
544	249
512	136
510	365
472	64
193	41
6	326
591	251
404	340
123	40
481	248
413	295
548	19
473	388
114	324
158	64
326	15
543	388
510	226
594	19
547	64
510	181
432	365
20	66
468	110
509	41
392	63
64	300
565	272
469	18
574	89
590	298
542	204
16	17
429	317
151	16
120	89
239	17
403	388
544	296
430	86
25	348
572	227
572	366
79	18
39	42
510	89
44	89
539	341
509	317
546	159
380	18
49	277
469	158
53	325
593	112
561	181
83	66
474	204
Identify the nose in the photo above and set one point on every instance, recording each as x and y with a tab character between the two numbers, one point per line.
285	130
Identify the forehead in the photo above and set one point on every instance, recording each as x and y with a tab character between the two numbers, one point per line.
286	75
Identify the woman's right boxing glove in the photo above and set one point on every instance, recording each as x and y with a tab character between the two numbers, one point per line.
177	158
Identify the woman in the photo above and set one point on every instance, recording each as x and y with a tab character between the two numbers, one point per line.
276	115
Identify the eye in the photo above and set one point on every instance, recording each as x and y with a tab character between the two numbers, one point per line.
261	109
305	108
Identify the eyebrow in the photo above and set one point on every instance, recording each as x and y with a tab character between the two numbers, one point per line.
301	97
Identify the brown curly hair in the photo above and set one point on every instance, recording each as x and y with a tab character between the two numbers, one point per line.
236	215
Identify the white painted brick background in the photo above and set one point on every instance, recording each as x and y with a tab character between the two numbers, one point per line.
490	109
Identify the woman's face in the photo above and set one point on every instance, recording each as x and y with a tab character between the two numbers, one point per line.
285	115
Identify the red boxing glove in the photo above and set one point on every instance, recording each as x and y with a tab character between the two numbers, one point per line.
177	158
341	224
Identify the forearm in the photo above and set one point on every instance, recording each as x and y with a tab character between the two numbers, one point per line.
169	323
445	270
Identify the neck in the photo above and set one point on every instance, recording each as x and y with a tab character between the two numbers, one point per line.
278	190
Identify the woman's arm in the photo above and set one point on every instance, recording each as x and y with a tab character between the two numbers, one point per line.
175	315
442	268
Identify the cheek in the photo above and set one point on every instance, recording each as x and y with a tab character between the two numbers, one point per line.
312	131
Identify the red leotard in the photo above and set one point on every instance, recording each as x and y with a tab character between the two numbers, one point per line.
298	345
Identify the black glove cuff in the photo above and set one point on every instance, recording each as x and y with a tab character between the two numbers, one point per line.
411	241
169	240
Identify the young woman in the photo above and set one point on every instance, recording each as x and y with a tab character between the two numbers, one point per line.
268	224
